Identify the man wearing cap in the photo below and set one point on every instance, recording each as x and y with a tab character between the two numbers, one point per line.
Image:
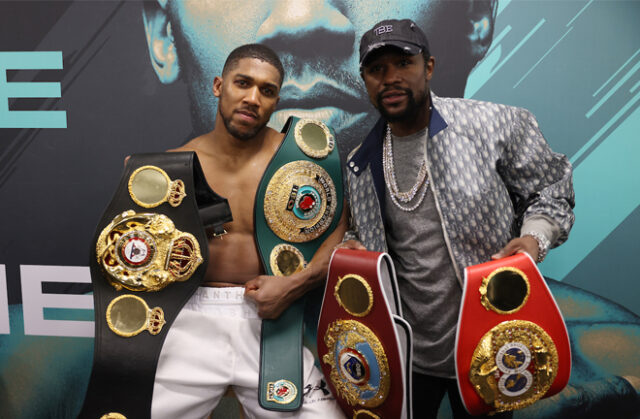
442	184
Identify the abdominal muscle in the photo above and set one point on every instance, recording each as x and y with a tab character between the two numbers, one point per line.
233	260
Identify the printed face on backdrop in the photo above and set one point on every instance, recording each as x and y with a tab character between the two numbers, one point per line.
318	43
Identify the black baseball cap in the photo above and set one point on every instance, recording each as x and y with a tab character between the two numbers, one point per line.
403	34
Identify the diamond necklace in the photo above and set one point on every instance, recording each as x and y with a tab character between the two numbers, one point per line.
399	198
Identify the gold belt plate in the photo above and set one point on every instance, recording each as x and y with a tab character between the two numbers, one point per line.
150	186
300	201
286	260
314	138
359	367
145	252
128	315
513	365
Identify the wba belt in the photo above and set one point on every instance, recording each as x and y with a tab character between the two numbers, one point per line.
363	343
298	204
149	256
512	346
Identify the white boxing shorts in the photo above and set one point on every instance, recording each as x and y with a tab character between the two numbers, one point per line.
214	343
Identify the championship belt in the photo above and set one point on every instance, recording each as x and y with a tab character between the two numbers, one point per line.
512	346
298	204
363	342
149	256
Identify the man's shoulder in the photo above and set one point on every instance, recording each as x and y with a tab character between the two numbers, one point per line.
192	145
462	111
458	103
275	135
374	134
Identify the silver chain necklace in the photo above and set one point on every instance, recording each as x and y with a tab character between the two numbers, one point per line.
400	198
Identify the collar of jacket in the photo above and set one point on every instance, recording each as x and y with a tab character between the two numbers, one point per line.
370	152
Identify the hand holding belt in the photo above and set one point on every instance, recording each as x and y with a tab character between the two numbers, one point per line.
298	204
363	343
512	346
149	256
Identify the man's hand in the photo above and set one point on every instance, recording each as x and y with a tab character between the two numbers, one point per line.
521	244
271	294
351	244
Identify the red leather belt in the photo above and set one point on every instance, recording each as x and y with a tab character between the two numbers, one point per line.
363	343
512	346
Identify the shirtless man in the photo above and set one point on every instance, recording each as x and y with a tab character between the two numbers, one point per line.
220	325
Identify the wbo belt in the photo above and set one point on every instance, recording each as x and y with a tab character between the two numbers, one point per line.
298	204
364	344
512	346
149	255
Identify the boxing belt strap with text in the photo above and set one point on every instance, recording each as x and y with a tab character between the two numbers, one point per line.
148	257
298	204
364	344
512	346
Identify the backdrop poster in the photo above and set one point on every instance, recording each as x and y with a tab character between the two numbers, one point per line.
85	83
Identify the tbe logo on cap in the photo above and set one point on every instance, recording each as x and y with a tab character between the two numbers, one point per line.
383	29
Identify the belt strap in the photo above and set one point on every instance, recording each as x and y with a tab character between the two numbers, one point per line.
281	381
124	366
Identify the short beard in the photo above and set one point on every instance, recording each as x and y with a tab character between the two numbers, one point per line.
238	134
410	112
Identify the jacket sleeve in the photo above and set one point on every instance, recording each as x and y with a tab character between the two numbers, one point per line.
539	180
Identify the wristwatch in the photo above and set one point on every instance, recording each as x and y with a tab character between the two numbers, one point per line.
543	244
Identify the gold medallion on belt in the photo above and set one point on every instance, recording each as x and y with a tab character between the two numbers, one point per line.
300	201
359	367
128	315
513	365
145	252
150	186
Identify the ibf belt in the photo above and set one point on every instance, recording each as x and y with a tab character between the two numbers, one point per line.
148	256
298	204
364	345
512	346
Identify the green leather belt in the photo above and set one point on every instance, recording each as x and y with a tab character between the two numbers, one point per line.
298	204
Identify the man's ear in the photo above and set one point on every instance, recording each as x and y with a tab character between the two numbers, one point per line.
217	86
429	66
162	48
482	16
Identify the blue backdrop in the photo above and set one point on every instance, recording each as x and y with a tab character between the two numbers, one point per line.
83	84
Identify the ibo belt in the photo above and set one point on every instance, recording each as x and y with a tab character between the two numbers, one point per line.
298	204
512	346
148	257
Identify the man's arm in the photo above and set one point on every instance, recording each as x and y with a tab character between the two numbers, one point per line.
541	186
273	294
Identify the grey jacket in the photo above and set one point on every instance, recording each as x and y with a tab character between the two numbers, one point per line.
490	170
